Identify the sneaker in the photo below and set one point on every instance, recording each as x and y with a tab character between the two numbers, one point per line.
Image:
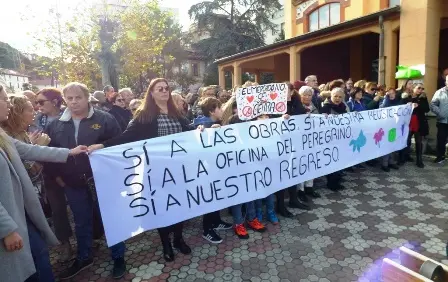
119	268
212	237
223	226
76	268
259	214
272	217
439	160
241	231
256	225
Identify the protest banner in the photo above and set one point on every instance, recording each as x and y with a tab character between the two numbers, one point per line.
162	181
254	101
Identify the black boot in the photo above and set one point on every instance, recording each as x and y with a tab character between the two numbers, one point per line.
281	209
180	245
419	153
294	200
302	196
310	192
168	253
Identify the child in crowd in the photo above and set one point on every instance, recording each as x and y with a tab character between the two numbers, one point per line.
212	115
237	214
270	212
254	212
389	161
356	103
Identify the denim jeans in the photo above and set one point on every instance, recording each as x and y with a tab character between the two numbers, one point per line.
269	203
81	204
238	215
41	256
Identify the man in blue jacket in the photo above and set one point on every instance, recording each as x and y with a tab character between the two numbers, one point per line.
81	124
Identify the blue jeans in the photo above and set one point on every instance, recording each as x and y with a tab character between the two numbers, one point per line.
81	204
269	203
41	257
238	215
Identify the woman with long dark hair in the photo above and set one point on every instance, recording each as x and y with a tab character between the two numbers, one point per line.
158	116
418	127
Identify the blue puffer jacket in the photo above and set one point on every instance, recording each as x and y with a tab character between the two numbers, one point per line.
356	106
203	120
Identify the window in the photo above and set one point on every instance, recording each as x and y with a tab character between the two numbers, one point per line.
393	3
325	16
195	69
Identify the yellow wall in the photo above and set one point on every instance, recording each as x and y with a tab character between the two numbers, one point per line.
357	8
419	37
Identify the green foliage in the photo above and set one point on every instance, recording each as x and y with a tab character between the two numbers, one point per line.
184	80
140	42
234	26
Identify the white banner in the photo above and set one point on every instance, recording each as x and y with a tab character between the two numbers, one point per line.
254	101
162	181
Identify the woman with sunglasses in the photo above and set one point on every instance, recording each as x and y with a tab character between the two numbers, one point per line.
119	111
158	116
418	127
49	101
50	104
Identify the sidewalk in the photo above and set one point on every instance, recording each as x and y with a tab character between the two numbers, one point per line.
344	237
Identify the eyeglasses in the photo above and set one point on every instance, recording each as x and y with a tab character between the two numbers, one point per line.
166	88
41	102
420	88
120	100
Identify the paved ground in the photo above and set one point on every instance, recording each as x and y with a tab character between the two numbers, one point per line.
344	237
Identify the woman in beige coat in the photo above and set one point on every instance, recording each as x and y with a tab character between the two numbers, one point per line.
24	231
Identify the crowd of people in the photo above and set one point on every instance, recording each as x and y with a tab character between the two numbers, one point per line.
44	138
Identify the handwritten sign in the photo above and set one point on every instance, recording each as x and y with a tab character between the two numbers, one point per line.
254	101
158	182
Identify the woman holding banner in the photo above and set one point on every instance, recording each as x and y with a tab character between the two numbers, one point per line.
24	230
157	117
335	106
418	127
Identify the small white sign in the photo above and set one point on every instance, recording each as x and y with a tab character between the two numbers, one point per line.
266	99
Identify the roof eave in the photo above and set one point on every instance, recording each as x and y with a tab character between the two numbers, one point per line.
291	41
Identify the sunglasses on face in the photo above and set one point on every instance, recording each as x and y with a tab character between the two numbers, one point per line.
41	102
161	89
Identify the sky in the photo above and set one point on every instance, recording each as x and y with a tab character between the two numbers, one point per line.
20	18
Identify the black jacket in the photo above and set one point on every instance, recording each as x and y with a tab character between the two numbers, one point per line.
420	111
332	109
97	128
123	116
137	131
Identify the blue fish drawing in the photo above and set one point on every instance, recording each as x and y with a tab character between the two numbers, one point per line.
359	142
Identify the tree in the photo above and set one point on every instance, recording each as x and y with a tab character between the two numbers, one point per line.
73	45
234	26
143	40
